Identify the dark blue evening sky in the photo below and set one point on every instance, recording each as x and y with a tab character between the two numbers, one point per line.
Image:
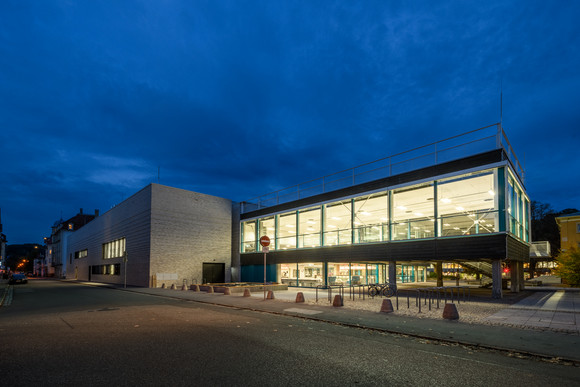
240	98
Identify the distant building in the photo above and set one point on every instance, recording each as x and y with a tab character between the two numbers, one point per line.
158	235
569	225
57	244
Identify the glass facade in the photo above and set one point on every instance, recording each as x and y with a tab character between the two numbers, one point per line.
467	204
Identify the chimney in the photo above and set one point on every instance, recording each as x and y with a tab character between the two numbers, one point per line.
96	213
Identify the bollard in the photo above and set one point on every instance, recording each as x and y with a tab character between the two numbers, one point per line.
300	297
173	287
387	306
163	286
195	288
227	291
450	312
270	295
337	301
210	289
247	292
184	287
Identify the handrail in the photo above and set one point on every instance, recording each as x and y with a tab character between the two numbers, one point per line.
307	188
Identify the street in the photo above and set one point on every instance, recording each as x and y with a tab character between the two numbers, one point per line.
62	333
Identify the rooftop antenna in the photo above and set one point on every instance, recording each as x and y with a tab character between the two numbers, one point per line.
501	102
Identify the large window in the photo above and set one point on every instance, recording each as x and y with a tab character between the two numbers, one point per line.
81	253
268	228
517	208
249	236
309	227
467	205
413	213
337	223
287	231
114	249
371	218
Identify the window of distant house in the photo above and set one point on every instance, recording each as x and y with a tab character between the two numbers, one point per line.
114	249
578	227
81	253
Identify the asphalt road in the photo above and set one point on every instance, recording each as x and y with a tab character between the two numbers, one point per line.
57	333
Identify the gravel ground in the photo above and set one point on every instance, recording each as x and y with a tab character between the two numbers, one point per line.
469	312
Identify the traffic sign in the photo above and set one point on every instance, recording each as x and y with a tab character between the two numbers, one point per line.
265	241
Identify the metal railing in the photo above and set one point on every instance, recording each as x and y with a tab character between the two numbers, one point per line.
453	148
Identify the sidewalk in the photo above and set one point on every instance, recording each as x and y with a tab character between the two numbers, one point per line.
546	344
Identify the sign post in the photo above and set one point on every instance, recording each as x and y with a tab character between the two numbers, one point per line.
265	242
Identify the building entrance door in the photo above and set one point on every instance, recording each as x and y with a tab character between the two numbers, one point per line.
214	273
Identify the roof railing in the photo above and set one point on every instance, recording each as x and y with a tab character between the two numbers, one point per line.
462	145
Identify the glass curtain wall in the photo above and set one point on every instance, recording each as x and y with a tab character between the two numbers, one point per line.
413	213
309	227
462	205
268	228
249	236
286	236
466	205
337	223
517	207
371	218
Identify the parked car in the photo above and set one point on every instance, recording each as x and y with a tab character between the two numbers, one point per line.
18	279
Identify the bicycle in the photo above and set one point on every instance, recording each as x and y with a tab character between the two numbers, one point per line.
385	290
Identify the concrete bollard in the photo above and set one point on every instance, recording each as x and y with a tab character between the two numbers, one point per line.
247	292
387	306
337	301
184	287
300	297
270	295
173	287
227	291
210	289
163	286
450	312
195	288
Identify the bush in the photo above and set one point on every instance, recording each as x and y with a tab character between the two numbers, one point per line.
569	266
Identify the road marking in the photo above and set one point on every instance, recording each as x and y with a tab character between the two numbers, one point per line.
303	311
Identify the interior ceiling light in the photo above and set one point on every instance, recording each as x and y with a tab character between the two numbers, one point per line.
471	215
419	213
365	213
384	219
402	208
446	224
357	223
446	200
311	222
335	218
456	228
331	226
491	192
459	208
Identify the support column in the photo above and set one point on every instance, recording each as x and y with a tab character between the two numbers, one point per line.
514	277
496	291
393	273
439	272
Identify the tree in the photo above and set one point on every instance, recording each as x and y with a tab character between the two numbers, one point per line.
569	266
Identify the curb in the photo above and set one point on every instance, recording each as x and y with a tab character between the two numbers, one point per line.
505	350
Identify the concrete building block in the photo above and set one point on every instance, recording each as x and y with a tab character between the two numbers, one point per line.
270	295
450	312
300	297
247	293
387	306
210	289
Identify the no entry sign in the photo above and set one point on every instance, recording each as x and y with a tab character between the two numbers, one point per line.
265	241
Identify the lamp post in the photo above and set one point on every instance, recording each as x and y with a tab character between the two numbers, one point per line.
265	242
